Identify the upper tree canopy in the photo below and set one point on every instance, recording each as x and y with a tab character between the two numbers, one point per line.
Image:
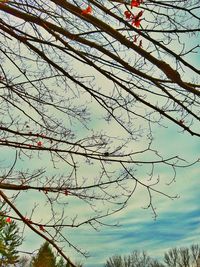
44	258
82	86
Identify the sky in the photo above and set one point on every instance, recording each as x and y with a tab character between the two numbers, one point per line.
178	220
177	223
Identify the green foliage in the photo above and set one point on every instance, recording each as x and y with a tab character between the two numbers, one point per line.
2	247
45	257
9	241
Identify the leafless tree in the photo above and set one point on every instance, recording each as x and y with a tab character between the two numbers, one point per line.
182	257
195	254
135	259
82	85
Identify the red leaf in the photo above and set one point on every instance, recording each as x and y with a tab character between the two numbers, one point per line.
8	220
136	23
39	143
135	3
139	15
86	11
136	20
127	14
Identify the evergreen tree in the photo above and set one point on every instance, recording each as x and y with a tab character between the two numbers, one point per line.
2	247
45	257
9	241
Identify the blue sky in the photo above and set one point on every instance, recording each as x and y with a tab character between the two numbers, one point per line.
177	224
178	221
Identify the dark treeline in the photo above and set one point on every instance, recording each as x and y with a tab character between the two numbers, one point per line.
174	257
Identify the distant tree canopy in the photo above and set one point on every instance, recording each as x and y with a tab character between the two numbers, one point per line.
135	259
175	257
183	257
83	84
